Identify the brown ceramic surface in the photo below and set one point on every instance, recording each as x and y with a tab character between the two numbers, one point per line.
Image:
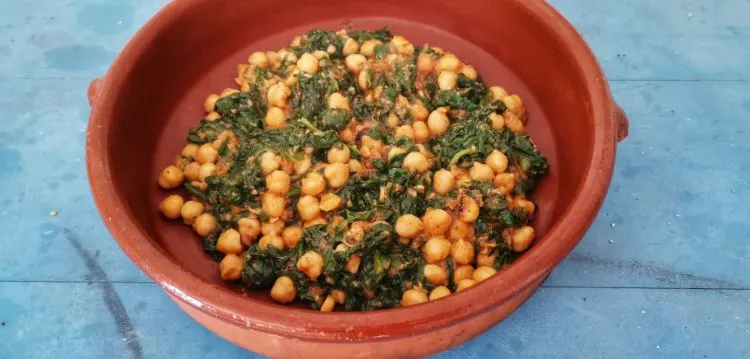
154	93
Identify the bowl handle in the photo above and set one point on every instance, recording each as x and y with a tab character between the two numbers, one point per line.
621	122
93	90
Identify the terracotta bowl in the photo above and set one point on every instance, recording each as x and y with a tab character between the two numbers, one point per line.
154	93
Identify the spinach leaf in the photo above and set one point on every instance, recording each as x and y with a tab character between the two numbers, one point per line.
362	35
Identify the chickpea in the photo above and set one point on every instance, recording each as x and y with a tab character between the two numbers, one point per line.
328	304
465	284
273	204
337	100
505	182
269	162
308	63
461	230
347	135
469	209
462	272
368	47
230	267
395	151
229	242
425	63
443	181
293	77
339	153
439	292
206	154
352	265
259	59
435	274
278	95
413	297
274	60
350	47
498	93
249	229
448	62
482	273
470	72
436	221
339	296
438	122
308	207
228	92
302	166
206	170
421	132
356	167
498	122
271	240
275	118
481	172
314	222
416	162
408	226
212	116
283	290
514	104
401	45
274	227
285	55
320	55
462	252
393	121
522	238
244	85
486	260
363	79
192	171
419	112
189	151
291	236
337	174
210	103
171	206
355	63
171	177
313	184
330	202
278	182
447	80
190	211
461	175
497	161
311	263
436	249
513	122
204	224
405	131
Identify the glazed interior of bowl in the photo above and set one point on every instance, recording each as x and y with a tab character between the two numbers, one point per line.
162	95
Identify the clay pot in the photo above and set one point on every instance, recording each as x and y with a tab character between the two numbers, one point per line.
154	93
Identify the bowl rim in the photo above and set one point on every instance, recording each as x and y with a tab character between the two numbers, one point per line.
311	325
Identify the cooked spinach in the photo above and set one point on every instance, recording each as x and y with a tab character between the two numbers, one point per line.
362	254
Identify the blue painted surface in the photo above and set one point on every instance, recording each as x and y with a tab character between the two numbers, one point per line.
662	273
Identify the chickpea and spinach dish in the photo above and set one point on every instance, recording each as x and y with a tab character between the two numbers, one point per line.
355	171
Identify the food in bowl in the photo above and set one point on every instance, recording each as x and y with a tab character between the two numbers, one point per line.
354	169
